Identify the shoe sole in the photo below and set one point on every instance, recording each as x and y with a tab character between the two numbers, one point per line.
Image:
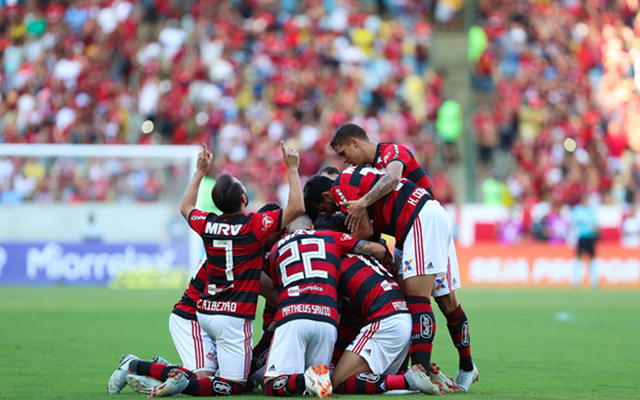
325	389
123	361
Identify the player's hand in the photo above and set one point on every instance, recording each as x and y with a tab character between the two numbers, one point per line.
356	211
205	159
291	157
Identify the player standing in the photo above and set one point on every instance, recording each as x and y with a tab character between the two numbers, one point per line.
234	245
411	215
354	146
305	267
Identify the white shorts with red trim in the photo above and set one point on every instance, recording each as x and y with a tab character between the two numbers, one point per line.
446	282
196	348
384	344
234	340
299	344
426	247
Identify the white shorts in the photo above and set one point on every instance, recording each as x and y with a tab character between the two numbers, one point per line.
299	344
196	348
384	344
426	247
446	282
234	344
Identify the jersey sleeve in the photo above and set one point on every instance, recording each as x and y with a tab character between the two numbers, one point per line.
395	152
264	224
345	242
197	220
342	193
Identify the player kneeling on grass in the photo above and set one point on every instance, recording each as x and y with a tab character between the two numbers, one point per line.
305	268
234	244
370	363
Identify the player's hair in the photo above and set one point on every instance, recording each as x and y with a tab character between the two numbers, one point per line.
345	133
227	193
314	188
269	207
333	222
328	170
302	222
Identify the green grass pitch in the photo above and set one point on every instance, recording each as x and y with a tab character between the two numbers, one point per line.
63	343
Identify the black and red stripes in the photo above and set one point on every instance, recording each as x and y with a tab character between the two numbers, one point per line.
423	329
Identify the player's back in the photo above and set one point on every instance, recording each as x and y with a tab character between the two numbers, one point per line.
305	268
187	306
394	213
413	171
234	247
370	287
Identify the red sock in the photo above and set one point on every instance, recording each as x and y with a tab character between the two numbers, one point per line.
210	386
284	385
366	383
458	325
422	331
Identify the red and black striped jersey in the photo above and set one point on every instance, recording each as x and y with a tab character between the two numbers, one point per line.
188	304
305	267
370	287
388	152
394	213
234	247
269	311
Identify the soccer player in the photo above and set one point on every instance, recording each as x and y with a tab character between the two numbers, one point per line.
370	363
421	227
196	348
584	222
305	267
234	245
354	146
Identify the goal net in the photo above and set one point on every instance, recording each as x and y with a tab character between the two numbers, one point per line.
98	215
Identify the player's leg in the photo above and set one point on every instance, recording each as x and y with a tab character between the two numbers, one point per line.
347	333
444	293
233	337
284	367
594	276
321	339
371	361
578	271
196	348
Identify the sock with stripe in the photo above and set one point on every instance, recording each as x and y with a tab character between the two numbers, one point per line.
367	383
422	331
285	385
155	370
458	326
213	386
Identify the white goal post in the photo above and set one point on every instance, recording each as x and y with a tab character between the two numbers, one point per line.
130	219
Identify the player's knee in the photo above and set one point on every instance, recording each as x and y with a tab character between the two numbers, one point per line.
447	303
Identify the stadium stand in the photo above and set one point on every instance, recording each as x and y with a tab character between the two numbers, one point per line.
238	75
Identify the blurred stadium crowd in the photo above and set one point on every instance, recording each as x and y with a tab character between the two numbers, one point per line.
562	87
239	75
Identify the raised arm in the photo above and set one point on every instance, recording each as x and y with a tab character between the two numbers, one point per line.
205	159
391	178
295	205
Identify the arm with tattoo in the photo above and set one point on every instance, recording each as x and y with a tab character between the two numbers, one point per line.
375	249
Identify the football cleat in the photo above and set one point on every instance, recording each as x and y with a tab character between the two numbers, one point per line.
418	379
464	379
118	379
448	385
318	381
176	382
160	360
142	384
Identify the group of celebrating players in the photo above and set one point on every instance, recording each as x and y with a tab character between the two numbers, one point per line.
342	314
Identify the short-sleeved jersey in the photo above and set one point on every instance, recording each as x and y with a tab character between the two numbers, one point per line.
394	213
234	247
388	152
269	311
188	304
305	267
370	287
